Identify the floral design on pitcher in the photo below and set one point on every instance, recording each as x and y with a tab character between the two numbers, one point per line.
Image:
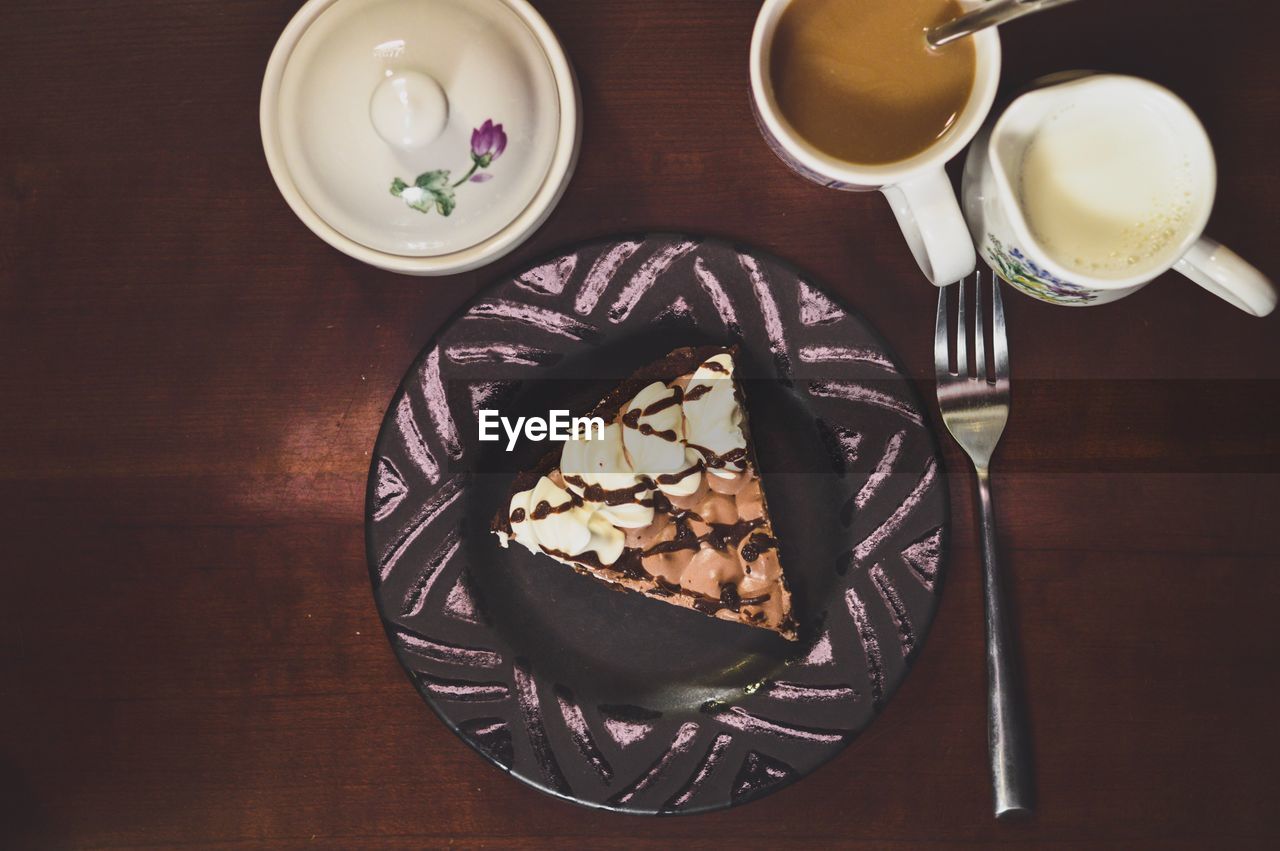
433	189
1022	272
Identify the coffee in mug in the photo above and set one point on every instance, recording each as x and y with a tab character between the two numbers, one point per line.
858	80
839	104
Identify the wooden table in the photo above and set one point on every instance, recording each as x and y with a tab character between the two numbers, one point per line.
191	383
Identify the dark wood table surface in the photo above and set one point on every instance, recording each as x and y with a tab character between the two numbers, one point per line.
190	385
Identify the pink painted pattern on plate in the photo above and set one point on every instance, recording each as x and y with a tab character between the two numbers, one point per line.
562	736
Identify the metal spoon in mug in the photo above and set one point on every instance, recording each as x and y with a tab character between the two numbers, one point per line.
986	15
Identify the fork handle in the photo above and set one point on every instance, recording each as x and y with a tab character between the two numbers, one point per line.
1008	737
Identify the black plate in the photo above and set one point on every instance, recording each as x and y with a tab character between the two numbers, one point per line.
614	700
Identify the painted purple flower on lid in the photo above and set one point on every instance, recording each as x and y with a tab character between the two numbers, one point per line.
434	190
488	141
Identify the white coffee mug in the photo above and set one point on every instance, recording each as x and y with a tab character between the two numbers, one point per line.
1067	111
917	188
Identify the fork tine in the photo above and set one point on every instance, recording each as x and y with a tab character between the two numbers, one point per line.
999	342
962	331
979	344
941	358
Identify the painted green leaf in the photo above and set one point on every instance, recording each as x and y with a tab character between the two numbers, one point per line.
398	186
432	180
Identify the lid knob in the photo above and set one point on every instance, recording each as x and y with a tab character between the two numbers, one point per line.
408	109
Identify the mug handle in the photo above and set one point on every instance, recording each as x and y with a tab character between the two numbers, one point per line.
1228	276
930	218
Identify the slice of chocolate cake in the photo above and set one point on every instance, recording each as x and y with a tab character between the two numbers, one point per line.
668	502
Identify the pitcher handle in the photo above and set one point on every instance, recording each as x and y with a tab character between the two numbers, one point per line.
1228	276
930	218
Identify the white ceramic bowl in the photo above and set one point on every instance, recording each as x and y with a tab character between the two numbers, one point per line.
383	126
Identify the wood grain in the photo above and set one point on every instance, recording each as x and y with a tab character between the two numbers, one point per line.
191	384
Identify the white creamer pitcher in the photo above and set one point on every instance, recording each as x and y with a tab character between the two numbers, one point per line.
1090	186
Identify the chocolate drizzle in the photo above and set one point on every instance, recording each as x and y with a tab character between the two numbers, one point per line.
729	596
618	496
724	535
684	539
706	605
667	587
545	509
672	478
631	419
677	395
628	564
697	392
714	461
729	599
757	544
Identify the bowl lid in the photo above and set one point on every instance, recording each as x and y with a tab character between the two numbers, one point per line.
417	128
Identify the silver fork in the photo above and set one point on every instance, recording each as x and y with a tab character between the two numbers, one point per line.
975	407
